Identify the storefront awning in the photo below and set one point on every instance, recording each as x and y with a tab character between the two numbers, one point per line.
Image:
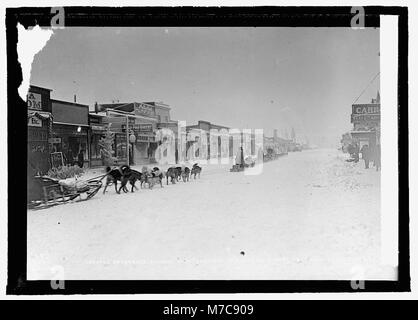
40	114
71	124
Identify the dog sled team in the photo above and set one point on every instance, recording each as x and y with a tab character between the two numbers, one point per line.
125	174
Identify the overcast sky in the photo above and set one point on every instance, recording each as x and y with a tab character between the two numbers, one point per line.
306	78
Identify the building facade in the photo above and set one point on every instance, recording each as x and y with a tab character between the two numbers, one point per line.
39	129
366	123
96	132
134	125
70	132
224	143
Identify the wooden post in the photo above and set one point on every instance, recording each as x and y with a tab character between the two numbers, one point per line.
127	140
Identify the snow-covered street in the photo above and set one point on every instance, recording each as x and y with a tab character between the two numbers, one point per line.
309	215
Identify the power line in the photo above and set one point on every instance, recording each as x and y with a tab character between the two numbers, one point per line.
366	87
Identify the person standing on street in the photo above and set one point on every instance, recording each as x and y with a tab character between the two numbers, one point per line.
377	157
356	151
365	154
239	160
80	158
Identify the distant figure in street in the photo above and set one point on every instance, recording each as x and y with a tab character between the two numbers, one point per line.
365	154
80	158
239	160
356	151
377	157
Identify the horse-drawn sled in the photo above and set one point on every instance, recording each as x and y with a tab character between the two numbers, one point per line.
45	192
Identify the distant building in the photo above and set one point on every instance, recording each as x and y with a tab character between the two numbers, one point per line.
70	131
39	129
143	119
206	127
366	122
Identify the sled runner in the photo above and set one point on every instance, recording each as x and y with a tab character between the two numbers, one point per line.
53	192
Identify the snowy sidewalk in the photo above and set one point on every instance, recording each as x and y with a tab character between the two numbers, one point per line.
309	215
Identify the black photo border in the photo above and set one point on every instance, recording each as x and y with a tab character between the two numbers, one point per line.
17	283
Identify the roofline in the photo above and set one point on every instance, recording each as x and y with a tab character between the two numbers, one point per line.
93	113
33	86
116	104
161	105
365	104
131	115
71	103
208	122
71	124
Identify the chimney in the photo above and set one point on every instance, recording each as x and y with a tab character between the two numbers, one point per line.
75	98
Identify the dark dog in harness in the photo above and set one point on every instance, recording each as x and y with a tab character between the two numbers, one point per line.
185	173
153	177
173	174
196	170
115	175
131	176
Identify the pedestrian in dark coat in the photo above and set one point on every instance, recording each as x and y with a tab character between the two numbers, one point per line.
365	154
80	158
356	151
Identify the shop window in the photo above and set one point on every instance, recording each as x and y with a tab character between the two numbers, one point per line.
94	147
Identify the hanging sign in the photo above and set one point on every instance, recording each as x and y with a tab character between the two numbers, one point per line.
35	122
34	100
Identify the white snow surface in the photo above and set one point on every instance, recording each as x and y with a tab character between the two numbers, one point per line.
310	215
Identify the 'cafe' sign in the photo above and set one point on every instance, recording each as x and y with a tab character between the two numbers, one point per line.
366	109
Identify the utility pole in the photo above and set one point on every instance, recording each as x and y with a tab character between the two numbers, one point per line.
127	139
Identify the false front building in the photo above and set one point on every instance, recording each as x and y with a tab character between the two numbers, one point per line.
140	119
366	122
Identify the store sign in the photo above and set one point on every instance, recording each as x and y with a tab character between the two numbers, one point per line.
144	110
366	109
35	122
365	117
34	100
98	128
145	128
142	138
54	140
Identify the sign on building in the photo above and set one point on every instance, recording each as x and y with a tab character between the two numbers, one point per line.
35	122
34	101
366	109
98	128
144	110
365	117
145	128
54	140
